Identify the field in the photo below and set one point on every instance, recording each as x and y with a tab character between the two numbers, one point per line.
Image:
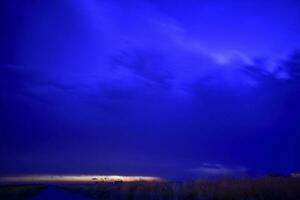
19	192
265	188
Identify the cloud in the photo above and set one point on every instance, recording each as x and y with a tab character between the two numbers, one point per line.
14	77
132	82
147	64
218	170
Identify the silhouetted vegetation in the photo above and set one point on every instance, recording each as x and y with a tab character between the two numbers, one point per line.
264	188
18	192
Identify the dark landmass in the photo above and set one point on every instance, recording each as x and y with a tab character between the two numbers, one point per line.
263	188
19	192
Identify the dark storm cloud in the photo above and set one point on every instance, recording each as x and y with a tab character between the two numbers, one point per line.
13	78
134	88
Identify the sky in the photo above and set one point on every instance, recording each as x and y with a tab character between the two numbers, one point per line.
161	88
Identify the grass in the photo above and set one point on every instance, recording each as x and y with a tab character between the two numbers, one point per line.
264	188
18	192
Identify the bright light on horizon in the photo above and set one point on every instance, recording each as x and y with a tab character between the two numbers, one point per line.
75	179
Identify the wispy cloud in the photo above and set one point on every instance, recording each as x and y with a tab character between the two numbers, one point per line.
207	169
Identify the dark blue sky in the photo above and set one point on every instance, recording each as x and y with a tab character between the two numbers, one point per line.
172	88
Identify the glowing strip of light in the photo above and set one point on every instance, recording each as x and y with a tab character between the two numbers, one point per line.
74	179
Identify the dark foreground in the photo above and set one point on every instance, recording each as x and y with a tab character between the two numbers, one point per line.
266	188
54	193
19	192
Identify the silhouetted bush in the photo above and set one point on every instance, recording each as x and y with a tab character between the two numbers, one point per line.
263	188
